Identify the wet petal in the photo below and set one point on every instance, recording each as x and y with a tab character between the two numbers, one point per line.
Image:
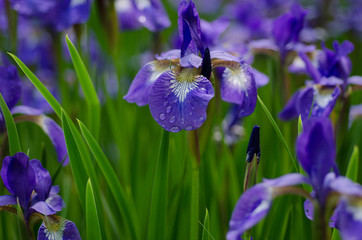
179	98
290	110
10	85
7	200
43	181
250	209
238	85
18	173
60	229
316	150
349	219
144	80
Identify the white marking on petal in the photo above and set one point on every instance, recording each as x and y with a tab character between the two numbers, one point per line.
236	77
356	212
56	233
157	70
75	3
323	98
181	89
264	205
142	4
122	5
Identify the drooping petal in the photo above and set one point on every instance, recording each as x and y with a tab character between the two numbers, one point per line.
43	181
238	85
290	110
18	173
144	80
261	79
60	229
349	219
10	85
322	98
7	200
4	173
250	209
316	151
179	98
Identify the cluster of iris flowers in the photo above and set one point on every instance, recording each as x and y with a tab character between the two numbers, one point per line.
183	87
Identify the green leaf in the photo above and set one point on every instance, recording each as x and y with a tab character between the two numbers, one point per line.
352	169
78	170
336	235
88	88
14	143
300	125
124	203
92	221
40	86
158	210
280	135
22	228
206	227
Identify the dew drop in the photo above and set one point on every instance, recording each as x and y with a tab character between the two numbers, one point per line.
165	103
202	90
201	119
172	119
189	128
175	129
168	109
162	116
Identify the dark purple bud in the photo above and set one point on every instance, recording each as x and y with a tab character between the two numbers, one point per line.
254	145
206	64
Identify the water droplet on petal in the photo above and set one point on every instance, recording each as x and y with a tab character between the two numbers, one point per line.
201	119
162	116
189	128
190	113
202	90
165	103
168	109
163	126
172	119
175	129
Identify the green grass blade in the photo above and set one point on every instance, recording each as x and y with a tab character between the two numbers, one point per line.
336	235
22	229
88	88
124	203
206	227
158	210
92	221
79	174
40	86
352	170
276	128
14	143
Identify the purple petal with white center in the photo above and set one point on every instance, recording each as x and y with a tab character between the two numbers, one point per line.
297	66
356	80
179	99
260	78
43	208
43	181
19	172
10	85
7	200
63	229
144	80
250	209
290	110
316	150
238	86
349	220
172	54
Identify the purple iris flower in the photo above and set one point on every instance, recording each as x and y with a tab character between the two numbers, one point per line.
177	87
330	72
10	88
134	14
58	14
316	152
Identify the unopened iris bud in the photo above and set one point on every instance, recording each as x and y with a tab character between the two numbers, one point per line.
206	64
252	159
254	145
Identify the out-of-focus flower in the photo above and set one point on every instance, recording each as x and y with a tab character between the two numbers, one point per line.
329	70
134	14
17	170
177	86
58	14
316	154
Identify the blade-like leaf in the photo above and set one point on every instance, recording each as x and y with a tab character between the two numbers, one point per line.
79	173
124	203
300	125
92	221
336	235
22	229
206	227
88	88
14	143
158	209
352	170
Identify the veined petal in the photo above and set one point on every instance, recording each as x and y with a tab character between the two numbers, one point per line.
43	181
349	219
238	85
144	80
179	98
58	228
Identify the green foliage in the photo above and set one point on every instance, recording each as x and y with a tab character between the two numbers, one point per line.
93	228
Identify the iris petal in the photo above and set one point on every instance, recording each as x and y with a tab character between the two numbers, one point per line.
59	229
179	98
43	181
